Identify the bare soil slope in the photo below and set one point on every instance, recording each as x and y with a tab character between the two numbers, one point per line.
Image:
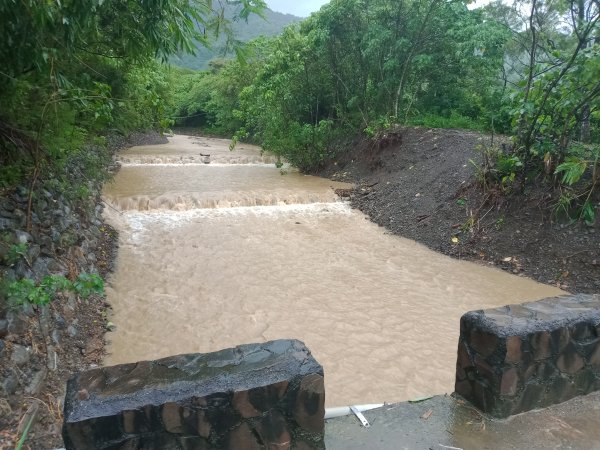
419	183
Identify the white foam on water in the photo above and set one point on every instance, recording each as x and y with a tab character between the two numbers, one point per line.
183	163
171	218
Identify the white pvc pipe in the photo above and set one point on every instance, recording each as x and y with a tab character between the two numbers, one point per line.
340	411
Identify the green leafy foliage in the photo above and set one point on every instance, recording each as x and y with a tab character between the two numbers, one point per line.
498	170
377	127
27	292
577	190
588	213
572	170
74	69
353	67
38	34
557	88
15	253
507	167
87	284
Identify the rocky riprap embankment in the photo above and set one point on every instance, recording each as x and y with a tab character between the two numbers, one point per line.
61	233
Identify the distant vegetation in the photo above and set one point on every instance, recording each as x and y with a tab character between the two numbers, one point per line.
530	70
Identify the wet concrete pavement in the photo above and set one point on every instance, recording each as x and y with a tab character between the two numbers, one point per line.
443	423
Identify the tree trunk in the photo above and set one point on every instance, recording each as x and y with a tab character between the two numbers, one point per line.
415	47
585	134
523	140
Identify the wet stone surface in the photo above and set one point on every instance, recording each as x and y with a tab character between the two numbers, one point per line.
521	357
254	396
446	422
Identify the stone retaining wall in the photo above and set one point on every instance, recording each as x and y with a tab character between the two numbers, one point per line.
521	357
257	396
41	347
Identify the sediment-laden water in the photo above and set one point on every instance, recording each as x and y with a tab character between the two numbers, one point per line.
238	251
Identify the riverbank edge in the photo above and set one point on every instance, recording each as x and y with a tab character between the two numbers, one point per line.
420	184
40	349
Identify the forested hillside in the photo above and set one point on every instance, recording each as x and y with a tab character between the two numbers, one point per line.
362	67
270	24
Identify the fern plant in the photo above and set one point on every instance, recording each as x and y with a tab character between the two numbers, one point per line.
573	170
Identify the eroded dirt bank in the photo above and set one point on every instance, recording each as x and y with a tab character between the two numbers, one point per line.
419	183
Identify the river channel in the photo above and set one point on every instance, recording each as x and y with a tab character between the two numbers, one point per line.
236	251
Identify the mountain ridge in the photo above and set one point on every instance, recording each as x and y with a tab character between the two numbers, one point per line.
244	31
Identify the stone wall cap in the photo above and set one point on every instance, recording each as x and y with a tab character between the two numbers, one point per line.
543	315
106	390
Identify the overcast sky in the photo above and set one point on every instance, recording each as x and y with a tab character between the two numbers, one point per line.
301	8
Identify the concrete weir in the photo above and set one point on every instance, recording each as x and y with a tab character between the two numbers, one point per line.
271	396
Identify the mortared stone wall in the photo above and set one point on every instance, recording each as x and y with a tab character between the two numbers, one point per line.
522	357
251	397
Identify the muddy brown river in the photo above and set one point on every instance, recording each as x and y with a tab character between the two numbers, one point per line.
239	251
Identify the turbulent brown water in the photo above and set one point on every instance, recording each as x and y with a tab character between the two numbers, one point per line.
237	251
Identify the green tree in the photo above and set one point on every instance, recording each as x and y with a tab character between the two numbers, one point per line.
70	69
552	74
359	65
285	108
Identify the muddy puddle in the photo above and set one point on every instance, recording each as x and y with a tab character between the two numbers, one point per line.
238	251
